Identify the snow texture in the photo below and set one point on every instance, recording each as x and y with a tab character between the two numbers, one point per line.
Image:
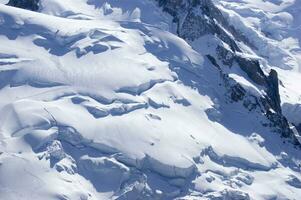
100	99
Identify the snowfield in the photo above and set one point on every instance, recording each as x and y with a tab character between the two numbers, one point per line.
100	99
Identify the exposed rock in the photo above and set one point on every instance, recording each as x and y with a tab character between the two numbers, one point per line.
25	4
227	57
195	18
273	90
252	68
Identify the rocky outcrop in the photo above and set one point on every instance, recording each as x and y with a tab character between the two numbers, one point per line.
196	18
273	90
25	4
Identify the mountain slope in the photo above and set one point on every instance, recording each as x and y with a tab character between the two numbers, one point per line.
105	100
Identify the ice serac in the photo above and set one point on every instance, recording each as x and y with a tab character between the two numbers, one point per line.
25	4
101	99
197	18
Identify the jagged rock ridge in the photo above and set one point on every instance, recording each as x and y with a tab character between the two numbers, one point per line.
25	4
196	18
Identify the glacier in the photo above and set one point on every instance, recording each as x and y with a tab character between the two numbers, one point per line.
150	99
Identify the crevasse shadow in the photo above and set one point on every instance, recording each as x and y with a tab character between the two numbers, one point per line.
208	81
55	43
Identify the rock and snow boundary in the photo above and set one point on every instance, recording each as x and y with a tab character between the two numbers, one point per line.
102	100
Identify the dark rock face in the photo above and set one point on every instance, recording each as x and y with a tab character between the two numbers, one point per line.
273	90
252	68
25	4
195	18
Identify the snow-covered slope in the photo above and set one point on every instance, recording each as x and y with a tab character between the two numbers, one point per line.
103	99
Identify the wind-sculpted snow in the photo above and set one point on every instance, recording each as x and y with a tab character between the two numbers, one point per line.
102	100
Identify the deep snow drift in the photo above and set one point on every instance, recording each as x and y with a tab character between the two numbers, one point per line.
100	99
